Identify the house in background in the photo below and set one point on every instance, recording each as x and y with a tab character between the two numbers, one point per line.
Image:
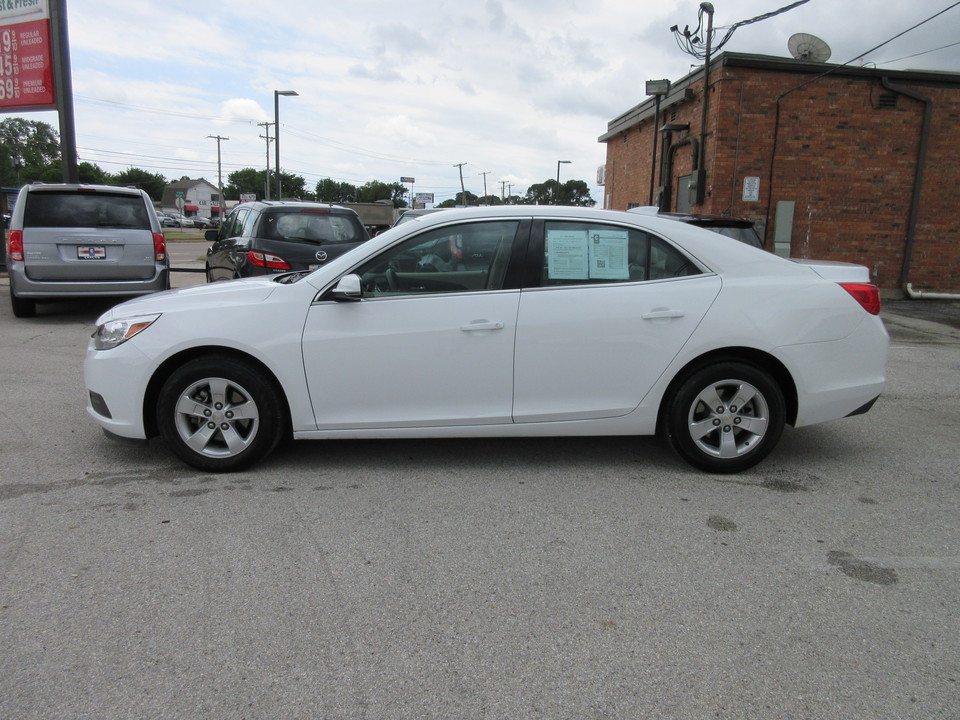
854	164
192	197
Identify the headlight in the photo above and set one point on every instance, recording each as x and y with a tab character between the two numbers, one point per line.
115	332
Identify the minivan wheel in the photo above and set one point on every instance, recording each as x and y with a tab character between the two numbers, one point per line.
22	307
218	414
725	418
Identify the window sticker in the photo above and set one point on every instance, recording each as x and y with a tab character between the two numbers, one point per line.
609	255
567	255
588	254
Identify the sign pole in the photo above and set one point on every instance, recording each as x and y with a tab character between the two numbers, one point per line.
63	87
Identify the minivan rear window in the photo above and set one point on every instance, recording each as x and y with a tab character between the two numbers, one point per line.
85	210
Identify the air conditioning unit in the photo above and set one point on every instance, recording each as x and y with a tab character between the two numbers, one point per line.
602	175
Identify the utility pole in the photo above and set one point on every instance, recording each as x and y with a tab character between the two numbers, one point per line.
463	192
503	186
485	173
223	206
266	180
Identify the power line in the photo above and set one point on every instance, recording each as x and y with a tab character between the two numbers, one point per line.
692	42
925	52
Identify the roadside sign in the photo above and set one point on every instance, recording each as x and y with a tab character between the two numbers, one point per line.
407	180
26	56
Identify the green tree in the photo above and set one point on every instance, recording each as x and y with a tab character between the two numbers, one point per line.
490	200
457	200
375	190
153	183
29	151
550	192
576	193
93	174
331	191
292	186
251	181
246	181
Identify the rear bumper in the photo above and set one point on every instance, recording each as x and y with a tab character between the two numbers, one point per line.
24	287
840	378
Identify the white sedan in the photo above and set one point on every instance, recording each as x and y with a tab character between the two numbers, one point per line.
499	322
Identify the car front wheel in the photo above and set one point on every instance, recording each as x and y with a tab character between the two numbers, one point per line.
218	414
726	417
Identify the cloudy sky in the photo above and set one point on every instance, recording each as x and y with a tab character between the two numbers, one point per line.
391	89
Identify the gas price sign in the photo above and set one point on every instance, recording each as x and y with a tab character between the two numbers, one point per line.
26	60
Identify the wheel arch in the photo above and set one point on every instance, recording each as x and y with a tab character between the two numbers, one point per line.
168	366
758	358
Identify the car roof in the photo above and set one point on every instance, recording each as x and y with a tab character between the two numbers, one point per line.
712	249
84	187
278	205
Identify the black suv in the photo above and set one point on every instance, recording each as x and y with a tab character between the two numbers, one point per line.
268	237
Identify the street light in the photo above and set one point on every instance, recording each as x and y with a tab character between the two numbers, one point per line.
658	88
559	163
276	129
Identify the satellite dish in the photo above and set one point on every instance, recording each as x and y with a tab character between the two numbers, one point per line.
808	47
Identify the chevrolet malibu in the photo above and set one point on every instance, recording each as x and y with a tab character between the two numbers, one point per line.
499	322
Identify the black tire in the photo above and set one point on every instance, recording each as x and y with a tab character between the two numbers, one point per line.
726	417
22	307
219	414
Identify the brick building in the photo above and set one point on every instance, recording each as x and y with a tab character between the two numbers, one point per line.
833	162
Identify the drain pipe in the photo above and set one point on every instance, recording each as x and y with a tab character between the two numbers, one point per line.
918	177
927	295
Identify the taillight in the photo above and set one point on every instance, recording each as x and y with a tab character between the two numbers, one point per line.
159	247
867	294
266	260
15	245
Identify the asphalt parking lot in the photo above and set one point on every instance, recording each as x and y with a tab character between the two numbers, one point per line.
584	578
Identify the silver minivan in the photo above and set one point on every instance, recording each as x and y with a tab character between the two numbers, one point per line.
69	241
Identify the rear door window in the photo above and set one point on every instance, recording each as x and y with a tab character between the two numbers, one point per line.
85	210
578	253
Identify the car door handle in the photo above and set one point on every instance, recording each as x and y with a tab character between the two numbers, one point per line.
663	313
481	325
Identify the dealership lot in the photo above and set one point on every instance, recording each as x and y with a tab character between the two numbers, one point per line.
477	578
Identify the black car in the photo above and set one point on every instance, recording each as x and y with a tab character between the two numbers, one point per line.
268	237
738	228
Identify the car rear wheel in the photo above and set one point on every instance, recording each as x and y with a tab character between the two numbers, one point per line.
218	414
22	307
726	417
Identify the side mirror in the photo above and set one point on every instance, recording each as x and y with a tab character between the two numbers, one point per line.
348	289
211	235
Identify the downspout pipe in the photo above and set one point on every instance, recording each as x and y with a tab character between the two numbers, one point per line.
927	295
666	198
918	177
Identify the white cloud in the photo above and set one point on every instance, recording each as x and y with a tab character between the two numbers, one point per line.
388	90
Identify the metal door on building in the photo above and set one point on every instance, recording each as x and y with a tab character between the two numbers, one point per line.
683	193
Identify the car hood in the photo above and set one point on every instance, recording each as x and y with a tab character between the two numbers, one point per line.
245	291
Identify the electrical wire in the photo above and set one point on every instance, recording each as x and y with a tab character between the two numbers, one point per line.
692	43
